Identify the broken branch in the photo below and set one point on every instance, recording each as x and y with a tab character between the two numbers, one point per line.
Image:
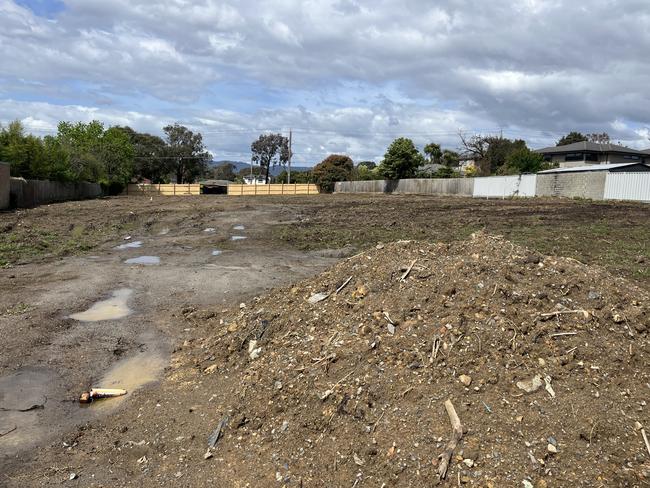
408	270
457	435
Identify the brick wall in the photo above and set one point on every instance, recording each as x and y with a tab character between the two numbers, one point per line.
582	185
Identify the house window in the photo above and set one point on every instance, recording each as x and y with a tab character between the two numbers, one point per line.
633	158
574	157
591	157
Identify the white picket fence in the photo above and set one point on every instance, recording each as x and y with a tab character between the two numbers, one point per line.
627	186
505	186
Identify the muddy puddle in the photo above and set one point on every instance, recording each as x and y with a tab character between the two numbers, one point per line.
237	238
23	401
112	308
129	245
217	252
144	260
239	227
130	374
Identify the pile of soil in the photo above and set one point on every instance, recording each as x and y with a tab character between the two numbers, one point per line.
544	359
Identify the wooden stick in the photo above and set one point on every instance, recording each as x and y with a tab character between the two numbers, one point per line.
457	435
645	439
561	312
408	271
561	334
343	285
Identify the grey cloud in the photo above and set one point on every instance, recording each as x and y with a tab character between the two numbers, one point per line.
539	65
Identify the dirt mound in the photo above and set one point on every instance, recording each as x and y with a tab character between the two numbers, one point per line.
341	380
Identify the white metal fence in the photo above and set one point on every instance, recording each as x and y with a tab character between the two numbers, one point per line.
627	186
505	186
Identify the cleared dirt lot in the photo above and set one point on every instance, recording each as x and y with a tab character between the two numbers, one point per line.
60	259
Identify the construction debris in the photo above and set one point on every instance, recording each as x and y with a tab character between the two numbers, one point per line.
98	393
476	322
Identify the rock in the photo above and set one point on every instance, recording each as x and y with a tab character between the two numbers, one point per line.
210	369
527	484
531	385
360	292
551	448
325	395
73	476
468	462
593	295
357	460
465	379
242	306
208	454
318	297
284	426
617	318
254	351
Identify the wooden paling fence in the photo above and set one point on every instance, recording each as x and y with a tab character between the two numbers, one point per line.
166	189
274	189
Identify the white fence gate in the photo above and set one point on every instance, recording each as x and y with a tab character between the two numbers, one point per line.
627	186
505	186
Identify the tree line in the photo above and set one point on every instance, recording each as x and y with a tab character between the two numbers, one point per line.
115	155
110	156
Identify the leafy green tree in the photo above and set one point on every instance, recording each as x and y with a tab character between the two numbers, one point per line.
270	150
225	171
571	138
150	159
366	173
367	164
333	168
82	143
602	138
296	177
445	172
434	153
188	157
401	160
451	159
522	160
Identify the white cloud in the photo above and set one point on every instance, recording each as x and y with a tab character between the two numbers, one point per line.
350	73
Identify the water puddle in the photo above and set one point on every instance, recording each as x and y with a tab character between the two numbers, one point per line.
237	238
130	374
209	229
22	403
144	260
129	245
239	227
111	309
216	252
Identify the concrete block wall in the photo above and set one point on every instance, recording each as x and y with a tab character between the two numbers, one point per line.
571	185
5	186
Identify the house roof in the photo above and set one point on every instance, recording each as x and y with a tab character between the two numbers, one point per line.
589	146
592	167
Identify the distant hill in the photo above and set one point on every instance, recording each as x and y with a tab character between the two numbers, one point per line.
239	165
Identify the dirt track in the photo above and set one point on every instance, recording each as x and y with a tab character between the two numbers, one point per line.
62	260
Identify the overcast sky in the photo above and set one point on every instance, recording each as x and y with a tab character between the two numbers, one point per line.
347	76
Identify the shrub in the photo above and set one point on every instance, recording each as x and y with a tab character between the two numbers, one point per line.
333	168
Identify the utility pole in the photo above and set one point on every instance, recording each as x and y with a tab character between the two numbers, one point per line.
289	172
